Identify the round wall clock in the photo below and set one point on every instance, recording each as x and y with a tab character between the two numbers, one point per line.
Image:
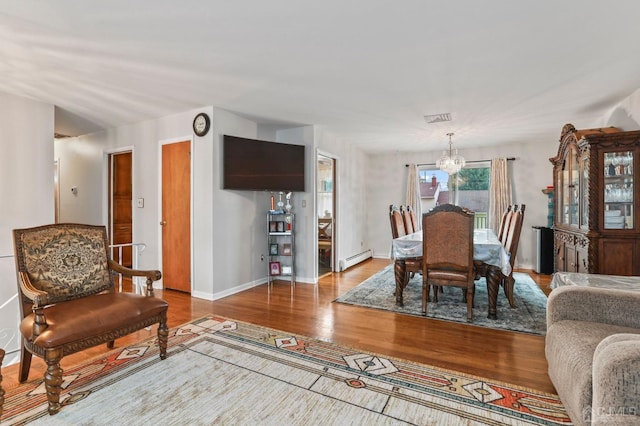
201	124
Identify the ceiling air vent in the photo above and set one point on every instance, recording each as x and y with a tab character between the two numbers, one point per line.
437	118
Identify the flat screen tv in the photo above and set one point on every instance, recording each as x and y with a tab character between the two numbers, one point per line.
256	165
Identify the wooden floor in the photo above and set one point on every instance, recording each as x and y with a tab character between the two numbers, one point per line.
306	309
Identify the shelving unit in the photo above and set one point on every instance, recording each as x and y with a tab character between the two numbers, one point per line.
597	222
281	247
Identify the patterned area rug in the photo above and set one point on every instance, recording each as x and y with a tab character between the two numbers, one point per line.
529	315
221	371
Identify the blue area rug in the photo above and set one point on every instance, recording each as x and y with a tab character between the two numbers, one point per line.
529	316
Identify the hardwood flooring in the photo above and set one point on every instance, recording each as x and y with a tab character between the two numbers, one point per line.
306	309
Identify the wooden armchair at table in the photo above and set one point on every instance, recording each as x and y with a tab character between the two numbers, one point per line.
506	223
69	302
447	255
397	222
406	219
511	246
503	222
412	265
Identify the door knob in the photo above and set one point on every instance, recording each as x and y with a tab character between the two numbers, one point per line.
163	223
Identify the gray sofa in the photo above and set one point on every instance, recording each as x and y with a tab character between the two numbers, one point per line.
593	351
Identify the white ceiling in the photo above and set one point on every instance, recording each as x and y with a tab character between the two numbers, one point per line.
507	71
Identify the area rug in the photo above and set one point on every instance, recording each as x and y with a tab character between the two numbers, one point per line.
221	371
529	316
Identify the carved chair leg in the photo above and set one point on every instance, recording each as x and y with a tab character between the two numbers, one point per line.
425	296
25	364
53	378
163	337
508	284
469	294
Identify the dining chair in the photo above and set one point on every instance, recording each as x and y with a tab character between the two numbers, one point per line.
414	219
512	241
397	222
406	219
324	237
503	221
507	225
447	254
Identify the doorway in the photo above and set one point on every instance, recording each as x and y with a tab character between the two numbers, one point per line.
120	187
325	204
175	216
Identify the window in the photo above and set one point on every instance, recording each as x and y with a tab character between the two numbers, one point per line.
468	188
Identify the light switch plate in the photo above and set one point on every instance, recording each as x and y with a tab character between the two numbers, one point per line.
140	203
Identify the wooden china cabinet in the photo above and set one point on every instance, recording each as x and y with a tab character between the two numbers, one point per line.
596	220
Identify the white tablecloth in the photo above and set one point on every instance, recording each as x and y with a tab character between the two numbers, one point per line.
486	248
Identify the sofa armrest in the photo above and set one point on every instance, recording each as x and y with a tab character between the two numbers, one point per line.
591	304
616	381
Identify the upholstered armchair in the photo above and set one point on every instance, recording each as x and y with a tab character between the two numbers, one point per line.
69	302
593	351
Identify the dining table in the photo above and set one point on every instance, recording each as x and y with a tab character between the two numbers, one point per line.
489	256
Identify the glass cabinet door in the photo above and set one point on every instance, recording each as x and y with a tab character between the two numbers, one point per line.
584	187
618	190
574	188
566	194
559	200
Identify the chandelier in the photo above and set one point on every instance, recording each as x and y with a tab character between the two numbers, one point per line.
450	162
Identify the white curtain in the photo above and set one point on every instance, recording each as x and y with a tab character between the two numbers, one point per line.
499	191
413	193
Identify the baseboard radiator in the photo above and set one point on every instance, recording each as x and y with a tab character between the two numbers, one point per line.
355	259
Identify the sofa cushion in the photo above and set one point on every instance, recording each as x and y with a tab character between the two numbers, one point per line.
92	316
569	349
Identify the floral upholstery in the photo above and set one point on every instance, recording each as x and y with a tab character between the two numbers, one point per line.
66	262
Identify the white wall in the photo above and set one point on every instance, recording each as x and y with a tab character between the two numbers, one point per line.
625	115
26	191
80	163
353	197
531	172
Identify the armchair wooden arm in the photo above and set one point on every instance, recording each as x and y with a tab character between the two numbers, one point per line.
152	275
38	298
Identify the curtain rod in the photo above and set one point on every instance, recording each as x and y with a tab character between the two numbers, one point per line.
468	162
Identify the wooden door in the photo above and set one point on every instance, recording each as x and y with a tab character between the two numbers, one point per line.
176	216
120	210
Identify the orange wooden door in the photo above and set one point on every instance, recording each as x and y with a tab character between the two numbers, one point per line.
176	216
121	214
